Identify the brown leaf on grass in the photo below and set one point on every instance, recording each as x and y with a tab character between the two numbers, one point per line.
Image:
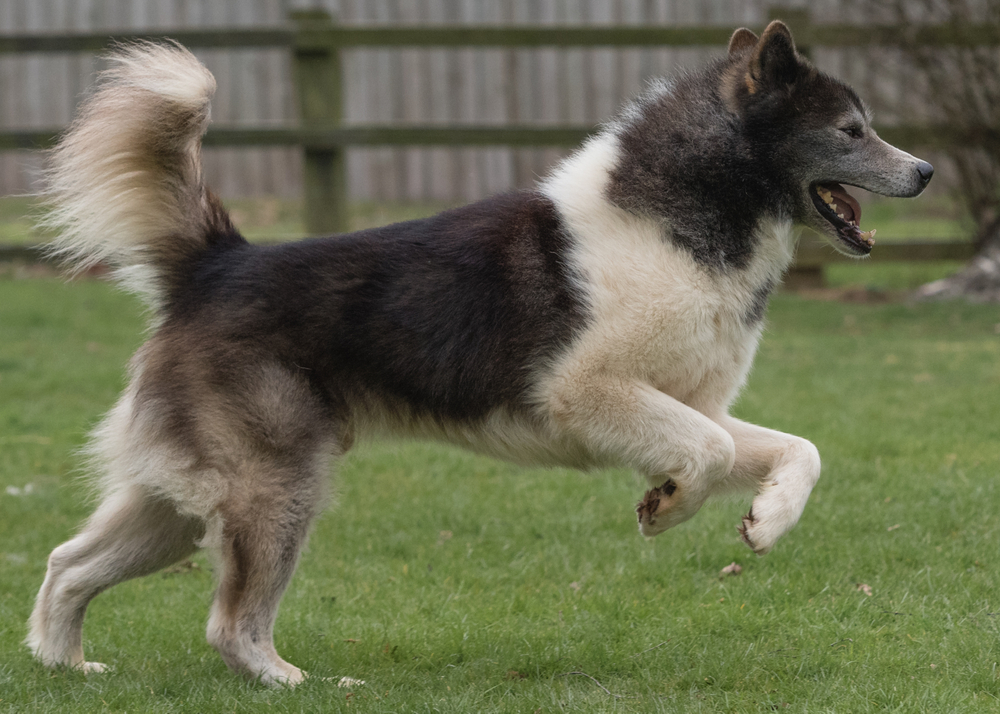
513	674
185	566
865	588
733	568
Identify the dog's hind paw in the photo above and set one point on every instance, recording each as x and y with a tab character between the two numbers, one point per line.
92	667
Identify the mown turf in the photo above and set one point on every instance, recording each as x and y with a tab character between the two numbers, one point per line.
455	583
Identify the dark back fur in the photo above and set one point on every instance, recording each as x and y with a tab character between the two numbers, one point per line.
443	316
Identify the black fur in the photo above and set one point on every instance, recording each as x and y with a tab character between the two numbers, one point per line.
758	305
443	315
686	158
712	157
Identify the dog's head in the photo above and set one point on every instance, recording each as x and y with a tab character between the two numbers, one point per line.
818	133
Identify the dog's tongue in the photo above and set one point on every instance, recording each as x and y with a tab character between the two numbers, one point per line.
844	203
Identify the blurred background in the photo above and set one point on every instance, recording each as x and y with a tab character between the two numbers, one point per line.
904	83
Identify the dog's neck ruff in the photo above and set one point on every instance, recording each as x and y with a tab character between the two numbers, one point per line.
578	188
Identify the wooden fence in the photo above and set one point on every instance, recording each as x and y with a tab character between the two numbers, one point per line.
316	41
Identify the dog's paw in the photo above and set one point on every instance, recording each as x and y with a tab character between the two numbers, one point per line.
747	533
286	675
761	533
652	509
93	667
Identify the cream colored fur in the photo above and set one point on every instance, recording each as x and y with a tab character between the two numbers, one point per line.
125	182
646	384
650	382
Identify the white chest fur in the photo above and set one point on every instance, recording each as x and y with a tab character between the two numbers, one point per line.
656	315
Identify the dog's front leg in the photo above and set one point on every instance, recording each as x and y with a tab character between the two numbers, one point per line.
782	469
681	452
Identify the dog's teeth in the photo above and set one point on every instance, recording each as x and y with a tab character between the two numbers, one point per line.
840	216
825	195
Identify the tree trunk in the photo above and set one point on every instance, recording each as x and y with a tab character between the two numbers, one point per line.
979	280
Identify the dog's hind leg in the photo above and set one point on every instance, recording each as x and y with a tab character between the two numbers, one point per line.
132	533
257	542
782	469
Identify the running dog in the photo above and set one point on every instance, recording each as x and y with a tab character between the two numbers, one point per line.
607	317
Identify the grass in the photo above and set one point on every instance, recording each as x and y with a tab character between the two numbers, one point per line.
455	583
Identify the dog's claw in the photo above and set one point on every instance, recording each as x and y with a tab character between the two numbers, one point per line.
743	530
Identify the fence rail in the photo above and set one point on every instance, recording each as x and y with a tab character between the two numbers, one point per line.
806	35
928	137
316	41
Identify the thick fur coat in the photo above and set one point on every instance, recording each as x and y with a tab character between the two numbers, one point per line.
607	317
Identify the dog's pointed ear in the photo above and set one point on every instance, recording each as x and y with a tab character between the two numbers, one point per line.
775	61
742	39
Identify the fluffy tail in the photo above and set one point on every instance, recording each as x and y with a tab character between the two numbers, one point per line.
124	184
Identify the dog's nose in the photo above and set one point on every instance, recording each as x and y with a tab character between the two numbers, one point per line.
925	170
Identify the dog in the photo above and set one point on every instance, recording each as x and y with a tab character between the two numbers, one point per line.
608	317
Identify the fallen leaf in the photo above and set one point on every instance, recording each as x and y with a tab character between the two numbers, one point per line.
185	566
733	568
892	528
865	588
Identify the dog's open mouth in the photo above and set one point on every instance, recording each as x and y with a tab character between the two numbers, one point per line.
840	208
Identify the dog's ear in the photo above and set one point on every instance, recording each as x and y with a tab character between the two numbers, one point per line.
742	40
775	62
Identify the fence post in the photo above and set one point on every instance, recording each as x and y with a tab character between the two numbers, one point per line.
318	85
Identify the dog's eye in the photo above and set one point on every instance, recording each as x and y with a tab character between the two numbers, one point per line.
852	131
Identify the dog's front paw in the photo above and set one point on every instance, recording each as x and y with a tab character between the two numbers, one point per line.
92	667
760	531
653	508
748	533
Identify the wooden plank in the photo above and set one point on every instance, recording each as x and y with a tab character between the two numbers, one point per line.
320	98
97	42
452	135
967	35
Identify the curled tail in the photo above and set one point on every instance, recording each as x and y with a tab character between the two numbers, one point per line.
124	184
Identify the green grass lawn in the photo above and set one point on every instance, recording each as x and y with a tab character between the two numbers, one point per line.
454	583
